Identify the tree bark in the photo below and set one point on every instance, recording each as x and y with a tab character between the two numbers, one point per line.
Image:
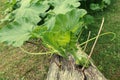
65	69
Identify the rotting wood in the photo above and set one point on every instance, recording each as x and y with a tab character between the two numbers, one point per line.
63	69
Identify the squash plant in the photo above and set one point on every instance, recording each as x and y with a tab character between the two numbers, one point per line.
56	22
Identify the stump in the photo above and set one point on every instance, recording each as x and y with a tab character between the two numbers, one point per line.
65	69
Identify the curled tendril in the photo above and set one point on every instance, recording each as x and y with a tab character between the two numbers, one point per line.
114	36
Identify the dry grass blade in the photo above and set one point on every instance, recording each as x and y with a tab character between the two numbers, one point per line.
89	56
87	39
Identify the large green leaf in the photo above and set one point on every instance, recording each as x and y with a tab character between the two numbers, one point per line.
24	19
30	10
64	6
57	40
70	21
16	33
60	34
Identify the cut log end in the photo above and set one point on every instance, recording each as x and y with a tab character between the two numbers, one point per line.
62	69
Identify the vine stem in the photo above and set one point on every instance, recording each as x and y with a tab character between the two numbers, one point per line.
39	53
91	52
99	36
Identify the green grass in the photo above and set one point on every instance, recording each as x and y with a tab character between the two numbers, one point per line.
107	53
16	65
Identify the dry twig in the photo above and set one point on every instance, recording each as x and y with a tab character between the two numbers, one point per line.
94	43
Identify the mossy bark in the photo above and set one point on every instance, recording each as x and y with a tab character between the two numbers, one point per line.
65	69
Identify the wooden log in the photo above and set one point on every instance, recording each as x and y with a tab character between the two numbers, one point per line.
65	69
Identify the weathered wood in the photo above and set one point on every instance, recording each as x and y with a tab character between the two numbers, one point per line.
63	69
92	73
